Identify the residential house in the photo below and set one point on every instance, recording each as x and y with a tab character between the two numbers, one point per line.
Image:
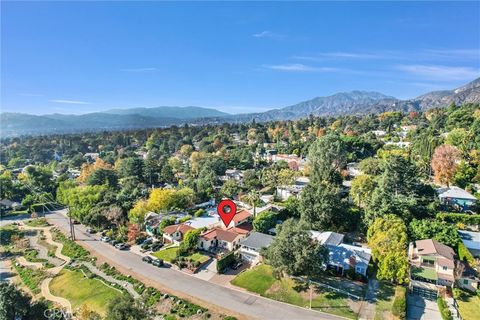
379	133
240	217
353	170
251	246
294	162
175	233
471	240
431	262
456	197
285	192
342	256
467	276
232	174
218	239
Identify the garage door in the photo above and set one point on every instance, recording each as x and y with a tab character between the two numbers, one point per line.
425	293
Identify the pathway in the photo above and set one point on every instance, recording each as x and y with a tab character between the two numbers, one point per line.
125	284
367	310
33	238
52	272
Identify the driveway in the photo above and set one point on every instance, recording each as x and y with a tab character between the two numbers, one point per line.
219	297
421	308
207	271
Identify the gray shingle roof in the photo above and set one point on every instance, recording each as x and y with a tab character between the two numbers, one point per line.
455	192
257	240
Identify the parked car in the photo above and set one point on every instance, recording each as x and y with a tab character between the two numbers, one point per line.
156	246
146	246
75	222
91	231
237	265
147	241
147	259
114	242
105	239
121	246
157	262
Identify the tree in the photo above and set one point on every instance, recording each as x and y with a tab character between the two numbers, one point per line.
400	176
132	167
362	189
114	214
229	189
294	252
265	221
464	175
327	157
125	308
320	206
86	314
14	304
252	198
444	163
103	176
434	229
387	237
190	241
137	213
133	232
371	166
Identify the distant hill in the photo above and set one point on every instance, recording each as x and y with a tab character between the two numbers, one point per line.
117	119
354	103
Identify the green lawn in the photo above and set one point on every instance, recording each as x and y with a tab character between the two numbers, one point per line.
258	279
171	253
199	257
80	290
261	280
469	306
39	222
167	254
385	297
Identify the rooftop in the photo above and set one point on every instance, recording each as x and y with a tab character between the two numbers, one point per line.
328	237
455	192
220	234
430	246
257	240
183	228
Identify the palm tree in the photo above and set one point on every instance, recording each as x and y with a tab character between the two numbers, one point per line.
252	197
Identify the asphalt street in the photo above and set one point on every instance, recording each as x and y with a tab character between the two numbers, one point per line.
251	306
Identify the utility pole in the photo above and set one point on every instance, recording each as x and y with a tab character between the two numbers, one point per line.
72	226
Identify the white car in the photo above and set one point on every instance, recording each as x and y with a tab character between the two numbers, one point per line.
105	239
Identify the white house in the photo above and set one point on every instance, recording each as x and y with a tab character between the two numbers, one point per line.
175	233
218	238
251	246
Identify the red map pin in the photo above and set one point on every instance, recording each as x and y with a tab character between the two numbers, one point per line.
226	210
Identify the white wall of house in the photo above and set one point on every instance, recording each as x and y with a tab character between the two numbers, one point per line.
469	284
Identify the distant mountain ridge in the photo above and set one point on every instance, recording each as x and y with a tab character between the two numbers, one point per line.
354	103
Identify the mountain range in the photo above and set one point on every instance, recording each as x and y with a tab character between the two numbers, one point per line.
354	103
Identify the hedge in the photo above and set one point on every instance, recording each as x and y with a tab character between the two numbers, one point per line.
225	262
465	255
444	311
399	308
468	219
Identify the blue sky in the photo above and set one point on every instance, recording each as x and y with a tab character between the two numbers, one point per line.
60	57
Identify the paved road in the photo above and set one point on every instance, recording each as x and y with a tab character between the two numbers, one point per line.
240	302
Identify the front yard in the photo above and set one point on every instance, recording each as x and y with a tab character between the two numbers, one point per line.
261	281
169	254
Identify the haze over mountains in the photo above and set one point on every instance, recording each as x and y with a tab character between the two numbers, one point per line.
354	102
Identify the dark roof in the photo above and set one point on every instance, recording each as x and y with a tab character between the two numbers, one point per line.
431	246
467	271
257	240
182	228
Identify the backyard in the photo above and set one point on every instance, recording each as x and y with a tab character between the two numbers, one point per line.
262	281
80	290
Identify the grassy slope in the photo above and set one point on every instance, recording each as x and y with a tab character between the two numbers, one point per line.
385	297
79	290
167	254
260	280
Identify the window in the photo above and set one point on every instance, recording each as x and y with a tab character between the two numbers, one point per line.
465	281
444	268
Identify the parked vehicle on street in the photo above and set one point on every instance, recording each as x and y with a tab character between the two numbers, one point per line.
157	262
237	265
121	246
105	239
91	231
147	259
156	246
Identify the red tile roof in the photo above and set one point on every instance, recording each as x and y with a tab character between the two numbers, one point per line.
220	234
182	228
243	228
241	215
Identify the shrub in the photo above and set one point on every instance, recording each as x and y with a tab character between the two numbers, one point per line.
225	262
466	219
444	311
200	212
465	255
399	308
